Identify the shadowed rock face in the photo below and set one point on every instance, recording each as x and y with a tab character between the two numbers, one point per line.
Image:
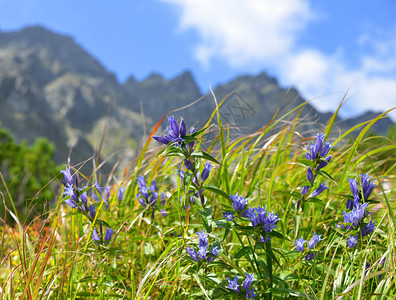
51	87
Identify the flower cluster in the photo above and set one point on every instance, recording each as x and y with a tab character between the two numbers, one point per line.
203	253
259	216
148	195
175	133
360	194
239	204
197	182
234	285
353	220
77	198
311	244
316	153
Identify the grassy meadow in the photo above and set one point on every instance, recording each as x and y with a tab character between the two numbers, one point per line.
280	213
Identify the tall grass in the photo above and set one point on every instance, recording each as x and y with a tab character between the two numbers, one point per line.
54	257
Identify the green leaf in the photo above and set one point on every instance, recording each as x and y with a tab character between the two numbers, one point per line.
204	155
217	191
245	250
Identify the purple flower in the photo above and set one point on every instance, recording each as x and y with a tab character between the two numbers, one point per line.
190	145
319	142
206	172
95	236
369	228
108	235
310	175
189	165
300	244
269	222
175	133
248	281
233	284
228	215
92	212
193	254
259	215
305	190
262	240
68	177
323	163
202	251
120	193
319	190
250	293
355	216
353	204
367	186
354	186
203	238
325	150
309	256
314	241
352	241
239	202
319	149
215	252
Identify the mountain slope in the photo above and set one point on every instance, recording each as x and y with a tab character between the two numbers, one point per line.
51	87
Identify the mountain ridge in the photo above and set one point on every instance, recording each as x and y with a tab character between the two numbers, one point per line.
50	86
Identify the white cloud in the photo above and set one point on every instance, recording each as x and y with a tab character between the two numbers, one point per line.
243	31
265	33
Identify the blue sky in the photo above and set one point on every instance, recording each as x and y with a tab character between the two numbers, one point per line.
323	48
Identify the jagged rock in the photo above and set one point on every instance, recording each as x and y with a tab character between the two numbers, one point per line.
52	87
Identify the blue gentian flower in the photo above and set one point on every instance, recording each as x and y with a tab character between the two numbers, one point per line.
68	177
319	190
351	204
354	186
320	149
314	241
92	212
248	281
147	195
120	193
352	241
269	222
189	165
259	215
250	293
233	284
108	235
323	163
203	238
310	175
367	186
239	202
176	133
202	251
355	216
309	256
190	145
305	190
215	252
369	228
228	215
73	200
206	172
95	236
300	244
194	256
